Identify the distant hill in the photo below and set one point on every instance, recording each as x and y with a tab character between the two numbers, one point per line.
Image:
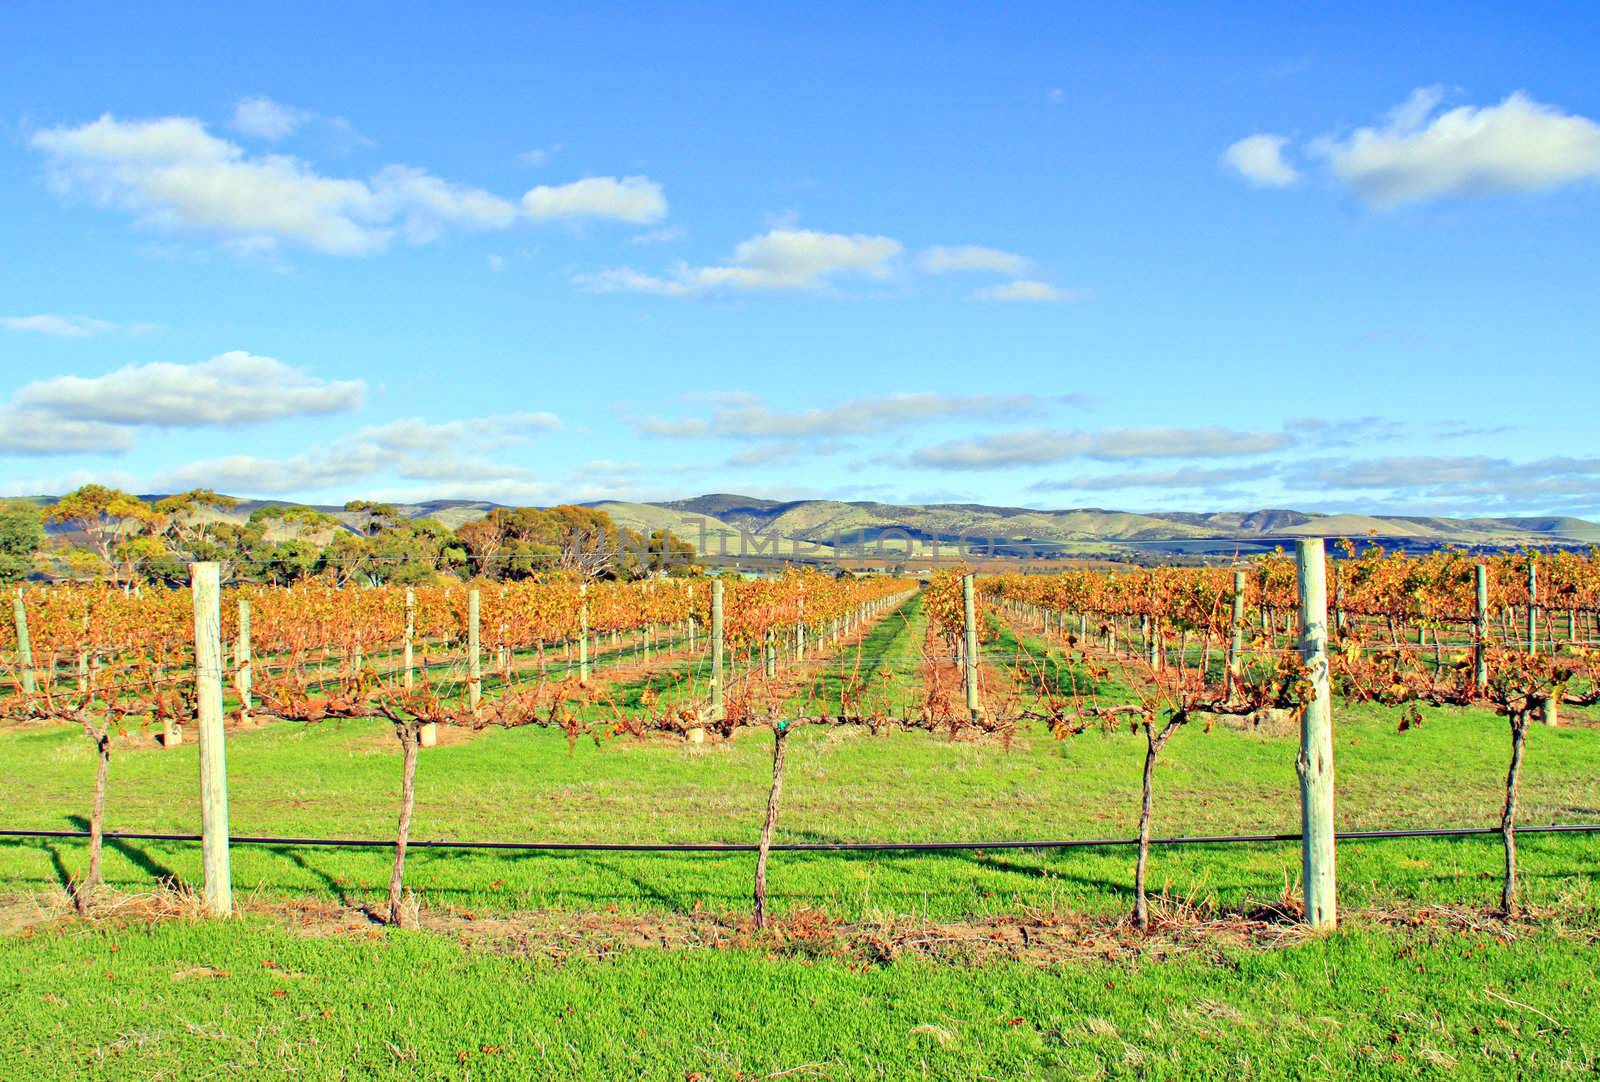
745	525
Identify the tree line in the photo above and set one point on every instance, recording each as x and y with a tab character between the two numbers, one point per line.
98	533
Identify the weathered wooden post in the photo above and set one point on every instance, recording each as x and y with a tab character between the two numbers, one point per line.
474	654
242	676
24	645
583	632
1315	765
409	651
1236	639
718	711
969	622
205	584
1480	628
1533	607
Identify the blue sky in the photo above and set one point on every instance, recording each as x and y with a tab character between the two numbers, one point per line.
1146	257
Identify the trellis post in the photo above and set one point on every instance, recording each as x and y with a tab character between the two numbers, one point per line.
242	676
717	708
1533	608
583	632
474	654
969	620
1315	764
409	659
1236	639
205	583
24	645
1480	627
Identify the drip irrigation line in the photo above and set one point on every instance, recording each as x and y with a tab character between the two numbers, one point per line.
809	847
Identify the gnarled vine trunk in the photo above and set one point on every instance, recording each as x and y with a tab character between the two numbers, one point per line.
1508	817
97	816
780	737
409	738
1154	742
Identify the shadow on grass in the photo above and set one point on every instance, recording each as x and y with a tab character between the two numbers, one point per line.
135	853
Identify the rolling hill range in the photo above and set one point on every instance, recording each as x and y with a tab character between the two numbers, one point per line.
735	525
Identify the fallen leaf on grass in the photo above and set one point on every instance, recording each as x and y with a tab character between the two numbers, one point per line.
199	971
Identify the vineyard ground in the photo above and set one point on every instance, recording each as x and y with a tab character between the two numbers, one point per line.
883	965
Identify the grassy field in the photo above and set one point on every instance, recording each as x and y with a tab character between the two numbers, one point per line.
1421	981
251	1000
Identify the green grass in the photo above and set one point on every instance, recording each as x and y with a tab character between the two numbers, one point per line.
1369	1001
341	778
251	1000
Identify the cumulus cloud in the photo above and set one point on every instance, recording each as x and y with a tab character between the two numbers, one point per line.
801	259
630	199
1520	145
1344	432
1038	446
1190	477
231	388
942	259
36	433
171	173
453	456
628	280
58	326
1028	291
260	116
1259	160
744	416
780	259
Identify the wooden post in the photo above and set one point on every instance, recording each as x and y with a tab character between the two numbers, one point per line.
969	623
24	646
474	654
718	711
583	632
1315	764
1236	639
205	584
242	676
1533	608
1480	627
409	659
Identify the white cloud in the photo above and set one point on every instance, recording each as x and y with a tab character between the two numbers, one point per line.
454	457
1189	477
1028	291
628	280
631	199
941	259
413	435
780	259
1519	145
59	483
1037	447
231	388
1259	160
173	174
801	259
58	326
744	416
35	432
260	116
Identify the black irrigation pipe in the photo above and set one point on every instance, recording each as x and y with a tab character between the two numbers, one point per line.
807	847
